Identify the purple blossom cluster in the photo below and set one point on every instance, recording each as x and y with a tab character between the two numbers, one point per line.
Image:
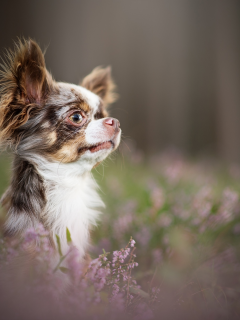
104	282
186	222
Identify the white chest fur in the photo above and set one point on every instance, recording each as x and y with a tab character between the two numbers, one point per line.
72	202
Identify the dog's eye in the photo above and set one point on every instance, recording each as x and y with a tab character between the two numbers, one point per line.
76	118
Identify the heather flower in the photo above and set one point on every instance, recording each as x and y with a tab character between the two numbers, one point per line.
164	220
202	202
143	236
155	290
174	171
132	243
181	198
30	235
181	213
73	262
229	204
115	290
11	253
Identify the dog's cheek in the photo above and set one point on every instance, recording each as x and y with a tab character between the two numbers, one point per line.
51	138
68	151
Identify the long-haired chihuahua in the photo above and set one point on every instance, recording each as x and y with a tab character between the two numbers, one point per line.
57	132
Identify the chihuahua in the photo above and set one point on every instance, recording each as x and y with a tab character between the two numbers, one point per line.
58	132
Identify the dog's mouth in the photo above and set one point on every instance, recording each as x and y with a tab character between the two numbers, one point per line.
101	146
97	147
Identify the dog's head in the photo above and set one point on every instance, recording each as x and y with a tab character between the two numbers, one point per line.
60	121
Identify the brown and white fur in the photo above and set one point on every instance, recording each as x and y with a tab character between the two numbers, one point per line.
58	132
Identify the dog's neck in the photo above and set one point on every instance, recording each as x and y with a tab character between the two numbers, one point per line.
70	200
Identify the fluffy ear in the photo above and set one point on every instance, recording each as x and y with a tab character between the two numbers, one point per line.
100	82
24	84
25	71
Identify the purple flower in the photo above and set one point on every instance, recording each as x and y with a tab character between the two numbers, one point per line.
132	243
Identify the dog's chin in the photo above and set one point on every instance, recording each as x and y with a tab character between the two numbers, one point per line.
95	155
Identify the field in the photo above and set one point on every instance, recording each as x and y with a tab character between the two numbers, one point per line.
185	218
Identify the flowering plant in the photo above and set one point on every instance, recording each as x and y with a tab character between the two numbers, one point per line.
103	285
185	219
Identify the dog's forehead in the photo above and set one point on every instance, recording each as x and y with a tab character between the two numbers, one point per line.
72	91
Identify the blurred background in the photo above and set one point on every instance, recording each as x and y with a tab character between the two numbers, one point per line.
176	64
177	67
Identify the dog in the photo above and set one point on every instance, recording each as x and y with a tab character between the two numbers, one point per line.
58	132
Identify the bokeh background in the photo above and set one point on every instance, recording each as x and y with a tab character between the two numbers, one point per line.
176	63
174	187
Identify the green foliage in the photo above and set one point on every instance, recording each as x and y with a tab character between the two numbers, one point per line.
68	235
59	245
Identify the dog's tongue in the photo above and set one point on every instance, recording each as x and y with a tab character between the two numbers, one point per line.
104	145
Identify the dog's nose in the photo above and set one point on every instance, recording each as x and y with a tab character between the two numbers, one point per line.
112	123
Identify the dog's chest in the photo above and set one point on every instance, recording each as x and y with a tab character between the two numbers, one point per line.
72	204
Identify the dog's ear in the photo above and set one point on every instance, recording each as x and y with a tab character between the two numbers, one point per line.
101	83
24	72
24	84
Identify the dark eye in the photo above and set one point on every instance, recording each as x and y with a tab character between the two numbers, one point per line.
76	118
